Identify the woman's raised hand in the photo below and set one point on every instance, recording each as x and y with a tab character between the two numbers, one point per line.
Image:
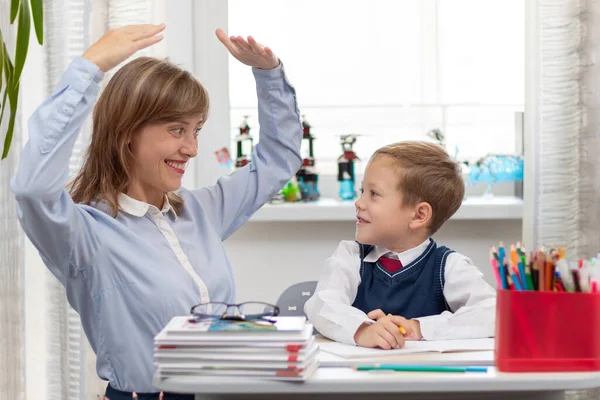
249	52
117	45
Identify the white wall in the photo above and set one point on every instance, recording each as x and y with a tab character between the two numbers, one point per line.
268	257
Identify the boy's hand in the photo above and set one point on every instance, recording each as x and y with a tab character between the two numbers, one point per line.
412	327
385	333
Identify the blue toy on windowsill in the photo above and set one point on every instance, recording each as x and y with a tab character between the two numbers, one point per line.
495	168
346	164
490	169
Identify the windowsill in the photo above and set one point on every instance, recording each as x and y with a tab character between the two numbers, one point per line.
329	209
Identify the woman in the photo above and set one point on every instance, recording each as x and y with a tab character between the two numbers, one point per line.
133	248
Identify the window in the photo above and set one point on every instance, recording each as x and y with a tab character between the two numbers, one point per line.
391	70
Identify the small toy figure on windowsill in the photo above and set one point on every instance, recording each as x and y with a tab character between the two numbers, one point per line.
438	136
346	164
244	137
291	191
307	174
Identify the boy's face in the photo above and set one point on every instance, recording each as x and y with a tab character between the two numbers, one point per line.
381	218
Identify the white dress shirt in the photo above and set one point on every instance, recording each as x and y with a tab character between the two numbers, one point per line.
471	299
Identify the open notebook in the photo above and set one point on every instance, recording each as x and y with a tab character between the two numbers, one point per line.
436	346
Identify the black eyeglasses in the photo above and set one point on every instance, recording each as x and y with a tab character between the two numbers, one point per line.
250	310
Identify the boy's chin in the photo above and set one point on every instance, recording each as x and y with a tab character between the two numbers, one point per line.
361	237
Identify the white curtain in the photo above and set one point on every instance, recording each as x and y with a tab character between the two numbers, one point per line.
12	295
567	152
589	146
67	36
71	26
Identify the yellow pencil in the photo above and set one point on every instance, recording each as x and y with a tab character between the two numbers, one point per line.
400	328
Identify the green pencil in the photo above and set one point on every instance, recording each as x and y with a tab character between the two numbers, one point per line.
418	368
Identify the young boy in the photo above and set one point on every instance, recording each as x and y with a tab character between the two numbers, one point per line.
395	283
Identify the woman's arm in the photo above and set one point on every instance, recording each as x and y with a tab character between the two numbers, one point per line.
44	207
234	198
63	233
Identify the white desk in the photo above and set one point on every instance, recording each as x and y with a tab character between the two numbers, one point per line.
346	383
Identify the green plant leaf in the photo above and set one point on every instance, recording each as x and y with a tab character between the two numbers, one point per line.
23	32
9	67
13	88
3	104
14	8
1	60
37	11
8	73
25	11
12	98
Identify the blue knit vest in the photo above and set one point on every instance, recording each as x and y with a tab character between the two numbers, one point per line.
416	290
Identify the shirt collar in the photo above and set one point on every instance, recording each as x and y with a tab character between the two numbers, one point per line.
139	208
406	257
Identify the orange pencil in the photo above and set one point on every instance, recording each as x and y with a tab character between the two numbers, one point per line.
514	257
542	270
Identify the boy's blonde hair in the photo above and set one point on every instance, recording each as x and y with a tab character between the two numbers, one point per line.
144	91
429	174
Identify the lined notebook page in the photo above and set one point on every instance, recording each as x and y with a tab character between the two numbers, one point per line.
439	346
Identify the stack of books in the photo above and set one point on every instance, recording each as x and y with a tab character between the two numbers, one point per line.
280	348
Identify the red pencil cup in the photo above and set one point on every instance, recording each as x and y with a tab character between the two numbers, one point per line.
547	331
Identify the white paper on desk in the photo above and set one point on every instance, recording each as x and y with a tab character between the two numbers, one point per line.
469	358
435	346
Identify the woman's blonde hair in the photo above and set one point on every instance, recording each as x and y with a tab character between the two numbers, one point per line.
144	91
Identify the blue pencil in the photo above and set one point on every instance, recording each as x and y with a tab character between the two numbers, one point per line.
523	277
502	266
501	254
516	282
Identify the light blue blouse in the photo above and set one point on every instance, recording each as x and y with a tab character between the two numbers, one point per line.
128	276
